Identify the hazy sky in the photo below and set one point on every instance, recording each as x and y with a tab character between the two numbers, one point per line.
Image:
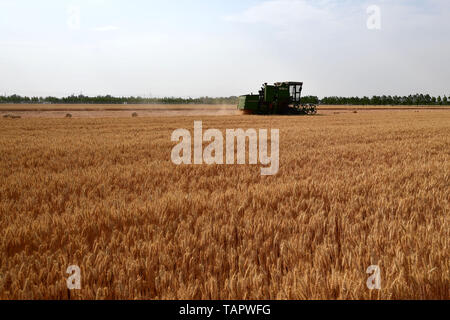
221	48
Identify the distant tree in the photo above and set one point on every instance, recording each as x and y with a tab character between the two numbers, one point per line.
310	99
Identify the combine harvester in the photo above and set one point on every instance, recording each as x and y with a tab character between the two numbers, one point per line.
280	98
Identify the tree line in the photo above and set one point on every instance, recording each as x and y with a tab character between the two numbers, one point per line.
416	99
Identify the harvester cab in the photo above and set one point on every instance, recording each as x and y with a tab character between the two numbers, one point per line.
279	98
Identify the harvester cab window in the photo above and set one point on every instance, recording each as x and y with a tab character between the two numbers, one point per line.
295	91
292	91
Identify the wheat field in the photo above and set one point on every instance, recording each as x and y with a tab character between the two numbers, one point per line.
353	190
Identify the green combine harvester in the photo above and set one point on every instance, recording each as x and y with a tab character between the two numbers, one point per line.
280	98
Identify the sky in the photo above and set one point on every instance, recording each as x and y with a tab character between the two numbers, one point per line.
192	48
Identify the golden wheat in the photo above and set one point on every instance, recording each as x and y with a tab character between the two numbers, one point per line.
353	190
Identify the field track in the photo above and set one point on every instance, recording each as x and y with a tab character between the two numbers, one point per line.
123	111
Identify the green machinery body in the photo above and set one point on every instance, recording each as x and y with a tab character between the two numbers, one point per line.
280	98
